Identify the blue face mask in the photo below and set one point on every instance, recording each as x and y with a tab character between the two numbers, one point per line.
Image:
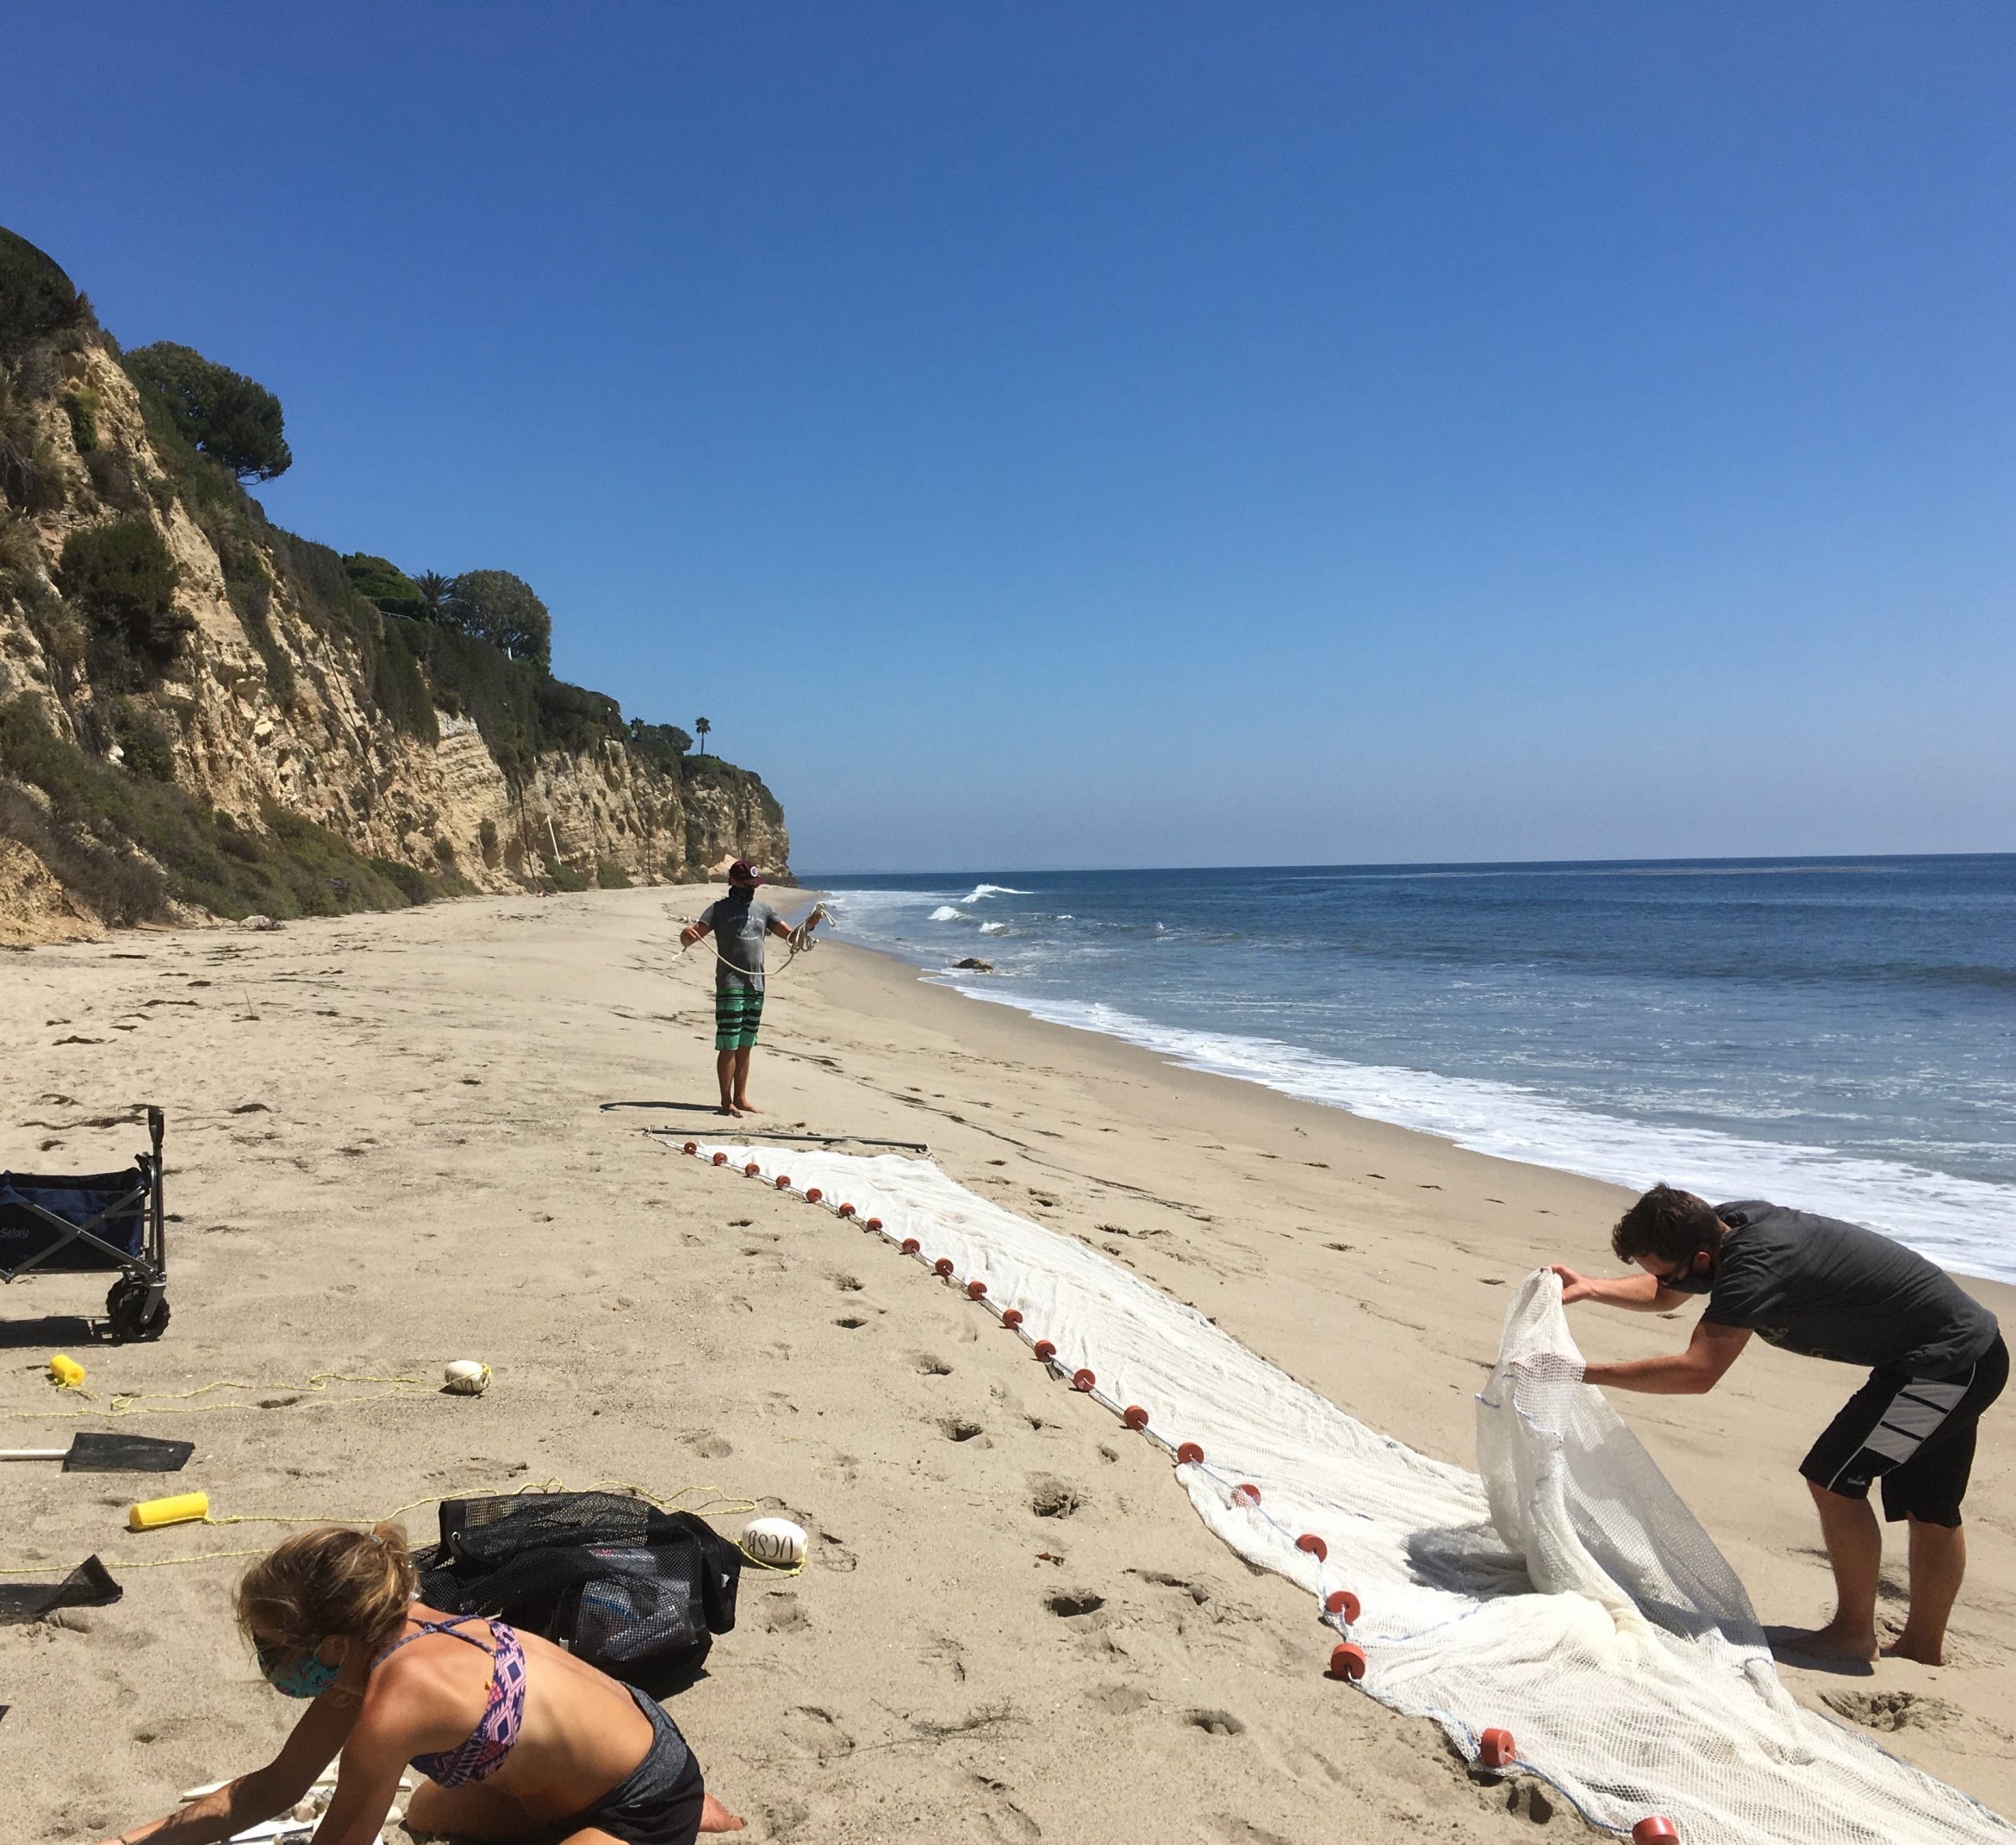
306	1677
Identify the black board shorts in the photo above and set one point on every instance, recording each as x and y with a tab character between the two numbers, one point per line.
658	1803
1915	1434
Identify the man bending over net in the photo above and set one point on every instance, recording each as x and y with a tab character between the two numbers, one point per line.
1826	1289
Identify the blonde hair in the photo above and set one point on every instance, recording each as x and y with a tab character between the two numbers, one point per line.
326	1582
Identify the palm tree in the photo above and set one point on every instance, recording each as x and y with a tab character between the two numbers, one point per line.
433	588
700	727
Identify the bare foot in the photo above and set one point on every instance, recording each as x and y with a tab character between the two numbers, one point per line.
744	1106
715	1817
726	1108
1831	1642
1907	1645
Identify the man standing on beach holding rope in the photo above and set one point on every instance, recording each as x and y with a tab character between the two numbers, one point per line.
1827	1290
738	923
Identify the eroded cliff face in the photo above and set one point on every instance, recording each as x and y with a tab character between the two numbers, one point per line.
286	696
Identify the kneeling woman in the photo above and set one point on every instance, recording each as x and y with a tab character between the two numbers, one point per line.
519	1740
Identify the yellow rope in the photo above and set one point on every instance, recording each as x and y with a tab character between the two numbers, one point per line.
713	1502
130	1403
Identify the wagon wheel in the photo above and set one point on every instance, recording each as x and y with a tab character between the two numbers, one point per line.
126	1306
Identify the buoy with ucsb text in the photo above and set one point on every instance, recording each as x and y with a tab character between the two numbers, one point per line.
776	1541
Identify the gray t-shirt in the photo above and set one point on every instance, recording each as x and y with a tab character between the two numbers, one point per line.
739	924
1826	1289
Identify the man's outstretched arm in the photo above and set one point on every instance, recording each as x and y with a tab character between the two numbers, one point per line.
1692	1372
1642	1293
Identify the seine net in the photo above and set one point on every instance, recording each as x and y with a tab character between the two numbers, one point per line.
1566	1593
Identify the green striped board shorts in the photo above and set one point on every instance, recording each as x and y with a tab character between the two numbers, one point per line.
737	1011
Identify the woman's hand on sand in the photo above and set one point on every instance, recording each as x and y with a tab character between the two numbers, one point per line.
715	1817
1574	1286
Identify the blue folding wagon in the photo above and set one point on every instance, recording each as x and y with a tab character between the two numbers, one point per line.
100	1223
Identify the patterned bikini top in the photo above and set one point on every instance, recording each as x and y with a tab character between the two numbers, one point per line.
490	1742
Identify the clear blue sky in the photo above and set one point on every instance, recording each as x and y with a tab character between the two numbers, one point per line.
1113	433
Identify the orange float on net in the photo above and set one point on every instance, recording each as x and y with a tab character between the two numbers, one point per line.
1082	1379
813	1195
1045	1350
1317	1547
1341	1602
1135	1417
1246	1493
751	1170
783	1181
1012	1316
1190	1454
846	1210
693	1146
873	1223
975	1290
1347	1661
943	1266
911	1245
1653	1828
1495	1748
720	1159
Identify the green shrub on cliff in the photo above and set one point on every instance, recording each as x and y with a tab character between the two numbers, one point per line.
124	579
222	414
36	298
383	582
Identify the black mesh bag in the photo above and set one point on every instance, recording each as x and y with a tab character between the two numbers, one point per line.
636	1592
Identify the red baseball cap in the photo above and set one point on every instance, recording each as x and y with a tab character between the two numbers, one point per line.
742	872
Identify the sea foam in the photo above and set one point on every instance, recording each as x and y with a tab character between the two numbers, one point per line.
1967	1225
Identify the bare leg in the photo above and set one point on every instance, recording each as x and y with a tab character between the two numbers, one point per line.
1938	1560
725	1074
1855	1548
472	1812
741	1103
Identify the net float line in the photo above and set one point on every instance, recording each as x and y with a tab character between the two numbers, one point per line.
1338	1606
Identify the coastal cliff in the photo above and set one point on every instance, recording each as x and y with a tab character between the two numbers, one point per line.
202	714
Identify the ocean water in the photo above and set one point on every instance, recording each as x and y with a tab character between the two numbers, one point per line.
1836	1034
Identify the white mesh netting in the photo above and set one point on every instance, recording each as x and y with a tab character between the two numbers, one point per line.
1567	1595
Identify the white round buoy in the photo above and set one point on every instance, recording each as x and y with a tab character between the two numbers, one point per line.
775	1541
466	1377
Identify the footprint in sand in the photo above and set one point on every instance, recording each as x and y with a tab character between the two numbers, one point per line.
959	1428
1066	1603
1216	1723
1051	1498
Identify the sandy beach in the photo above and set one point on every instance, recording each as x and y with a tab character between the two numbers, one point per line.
386	1150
